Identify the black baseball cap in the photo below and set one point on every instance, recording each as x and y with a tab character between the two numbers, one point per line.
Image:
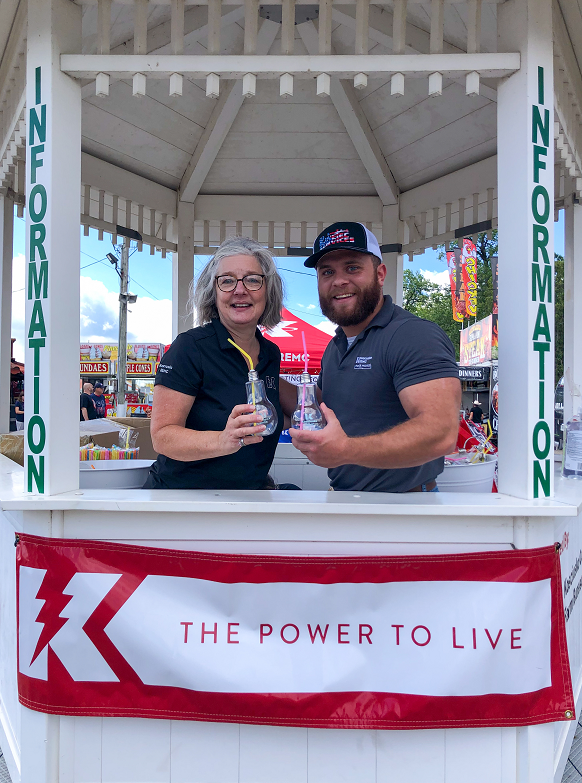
344	236
98	385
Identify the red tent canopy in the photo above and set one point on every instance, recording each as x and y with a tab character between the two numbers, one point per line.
287	335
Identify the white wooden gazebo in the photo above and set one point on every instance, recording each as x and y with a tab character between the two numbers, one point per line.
188	122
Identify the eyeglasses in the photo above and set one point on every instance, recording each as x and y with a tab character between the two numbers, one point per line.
228	283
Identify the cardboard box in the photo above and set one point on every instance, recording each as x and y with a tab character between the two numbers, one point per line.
101	432
144	438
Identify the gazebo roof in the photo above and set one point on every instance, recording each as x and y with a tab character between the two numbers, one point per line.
428	147
295	145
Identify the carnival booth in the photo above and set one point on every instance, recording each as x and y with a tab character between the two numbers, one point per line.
250	636
99	363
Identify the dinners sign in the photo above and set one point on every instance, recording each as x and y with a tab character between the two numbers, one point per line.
363	642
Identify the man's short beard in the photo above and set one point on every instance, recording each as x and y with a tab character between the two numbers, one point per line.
368	299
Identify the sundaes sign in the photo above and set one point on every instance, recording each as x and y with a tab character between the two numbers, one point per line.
388	642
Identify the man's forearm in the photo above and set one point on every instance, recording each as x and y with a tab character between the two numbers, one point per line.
407	445
85	414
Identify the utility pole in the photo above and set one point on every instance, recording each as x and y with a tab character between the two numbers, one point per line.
122	351
124	298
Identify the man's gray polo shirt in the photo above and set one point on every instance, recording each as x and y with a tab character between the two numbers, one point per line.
361	385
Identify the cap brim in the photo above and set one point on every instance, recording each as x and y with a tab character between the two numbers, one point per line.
312	260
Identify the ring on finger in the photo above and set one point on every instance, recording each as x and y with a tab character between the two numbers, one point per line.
241	442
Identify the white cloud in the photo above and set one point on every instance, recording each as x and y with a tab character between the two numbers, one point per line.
440	278
307	307
326	326
150	320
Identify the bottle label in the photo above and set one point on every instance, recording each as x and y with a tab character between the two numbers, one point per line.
573	458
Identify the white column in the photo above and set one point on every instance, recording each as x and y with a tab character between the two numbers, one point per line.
573	311
6	246
182	268
393	284
53	176
525	153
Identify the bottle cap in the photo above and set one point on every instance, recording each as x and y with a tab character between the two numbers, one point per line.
305	377
253	375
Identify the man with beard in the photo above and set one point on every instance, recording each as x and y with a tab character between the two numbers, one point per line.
389	384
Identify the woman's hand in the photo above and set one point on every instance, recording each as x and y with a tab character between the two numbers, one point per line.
242	428
171	437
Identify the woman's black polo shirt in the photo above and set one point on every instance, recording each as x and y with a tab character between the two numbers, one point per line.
203	364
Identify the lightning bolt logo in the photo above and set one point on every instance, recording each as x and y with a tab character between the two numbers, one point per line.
51	592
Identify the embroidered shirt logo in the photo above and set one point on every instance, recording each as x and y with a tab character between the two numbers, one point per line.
363	363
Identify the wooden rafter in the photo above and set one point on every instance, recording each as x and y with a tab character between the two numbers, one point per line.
220	123
355	122
489	64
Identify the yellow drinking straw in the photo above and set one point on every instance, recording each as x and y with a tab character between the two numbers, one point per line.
249	360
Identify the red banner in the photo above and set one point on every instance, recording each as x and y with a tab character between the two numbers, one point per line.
434	641
462	263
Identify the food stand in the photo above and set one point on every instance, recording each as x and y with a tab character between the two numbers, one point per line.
99	363
199	121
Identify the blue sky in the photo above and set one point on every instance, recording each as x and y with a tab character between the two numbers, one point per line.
149	320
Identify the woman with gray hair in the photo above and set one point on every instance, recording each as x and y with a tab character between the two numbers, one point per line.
200	421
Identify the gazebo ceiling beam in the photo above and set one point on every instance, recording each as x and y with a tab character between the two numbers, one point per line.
276	2
343	97
568	57
473	178
159	37
221	120
487	64
417	39
102	175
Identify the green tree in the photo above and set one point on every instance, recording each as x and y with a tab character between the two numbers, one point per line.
433	302
417	290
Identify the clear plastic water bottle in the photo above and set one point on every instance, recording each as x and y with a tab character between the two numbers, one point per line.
313	418
572	464
257	396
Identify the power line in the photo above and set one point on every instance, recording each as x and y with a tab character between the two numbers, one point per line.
296	272
133	280
304	312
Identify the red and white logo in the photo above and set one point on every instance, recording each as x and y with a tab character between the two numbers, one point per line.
390	642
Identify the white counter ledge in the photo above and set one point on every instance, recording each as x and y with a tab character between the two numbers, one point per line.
286	521
282	523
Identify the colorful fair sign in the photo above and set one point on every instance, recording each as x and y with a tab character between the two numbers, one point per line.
476	342
410	642
96	368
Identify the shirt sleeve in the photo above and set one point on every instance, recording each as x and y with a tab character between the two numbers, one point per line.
181	366
420	351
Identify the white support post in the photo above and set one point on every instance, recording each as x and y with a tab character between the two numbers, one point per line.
394	282
288	27
182	268
399	27
325	26
251	26
214	18
573	311
53	176
6	247
525	165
